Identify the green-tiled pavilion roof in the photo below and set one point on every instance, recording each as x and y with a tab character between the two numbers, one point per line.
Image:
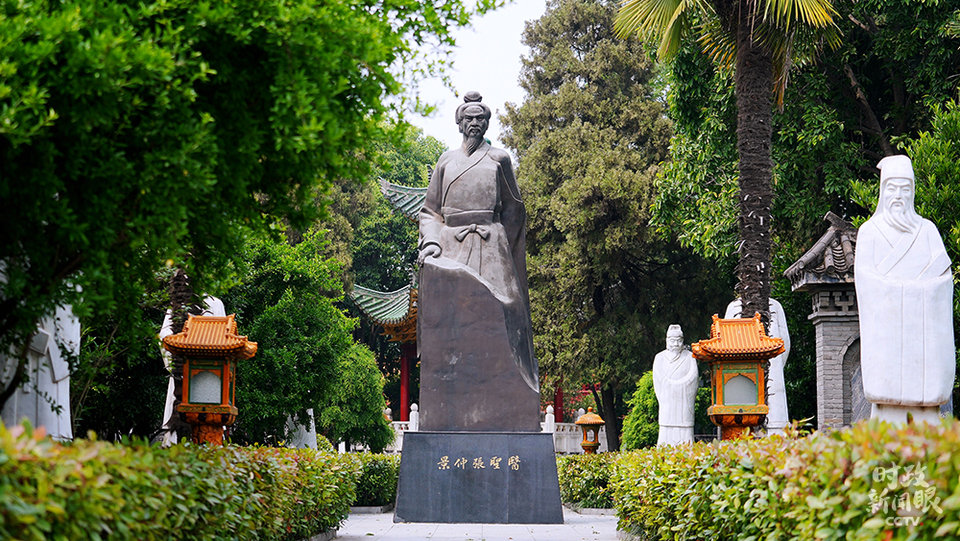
407	200
384	308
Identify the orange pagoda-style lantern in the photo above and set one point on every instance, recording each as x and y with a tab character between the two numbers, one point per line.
736	352
211	348
590	423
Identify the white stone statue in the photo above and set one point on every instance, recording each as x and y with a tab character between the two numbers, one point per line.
675	382
779	416
905	297
213	307
299	436
45	398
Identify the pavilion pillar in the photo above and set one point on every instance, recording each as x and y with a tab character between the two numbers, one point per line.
558	402
407	352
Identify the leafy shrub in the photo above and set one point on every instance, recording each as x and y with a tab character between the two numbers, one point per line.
641	427
378	480
872	481
97	490
584	479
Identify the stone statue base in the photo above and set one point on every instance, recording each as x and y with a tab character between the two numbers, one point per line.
898	414
478	477
469	378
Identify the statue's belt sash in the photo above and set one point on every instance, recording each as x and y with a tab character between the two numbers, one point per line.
461	218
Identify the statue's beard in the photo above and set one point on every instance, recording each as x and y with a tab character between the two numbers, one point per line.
905	219
470	144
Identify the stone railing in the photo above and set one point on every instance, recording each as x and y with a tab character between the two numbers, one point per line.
566	436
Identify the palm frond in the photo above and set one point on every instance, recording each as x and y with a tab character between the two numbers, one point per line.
785	13
666	21
718	43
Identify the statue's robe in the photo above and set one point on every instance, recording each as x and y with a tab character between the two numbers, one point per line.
45	399
675	381
478	370
905	297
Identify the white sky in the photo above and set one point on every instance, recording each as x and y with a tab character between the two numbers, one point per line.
486	59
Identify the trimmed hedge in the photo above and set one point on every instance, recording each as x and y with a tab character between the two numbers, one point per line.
378	480
97	490
872	481
584	479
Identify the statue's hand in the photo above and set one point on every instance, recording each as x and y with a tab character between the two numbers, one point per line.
430	250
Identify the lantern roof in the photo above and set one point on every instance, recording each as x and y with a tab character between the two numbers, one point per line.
590	418
737	339
210	336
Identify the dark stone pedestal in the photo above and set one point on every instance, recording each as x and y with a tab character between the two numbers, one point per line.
478	477
469	378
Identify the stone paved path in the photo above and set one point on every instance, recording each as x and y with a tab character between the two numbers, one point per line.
575	527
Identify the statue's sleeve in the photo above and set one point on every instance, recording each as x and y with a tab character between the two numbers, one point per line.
782	329
939	260
513	216
431	220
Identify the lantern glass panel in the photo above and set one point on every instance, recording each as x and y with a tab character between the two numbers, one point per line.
205	388
741	391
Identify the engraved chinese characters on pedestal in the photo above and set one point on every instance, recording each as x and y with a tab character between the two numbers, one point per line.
905	291
675	381
478	370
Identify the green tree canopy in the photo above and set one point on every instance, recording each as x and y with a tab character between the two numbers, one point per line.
307	358
590	137
138	134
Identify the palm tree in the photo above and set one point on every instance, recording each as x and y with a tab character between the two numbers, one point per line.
760	40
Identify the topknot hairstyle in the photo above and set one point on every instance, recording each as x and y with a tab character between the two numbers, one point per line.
472	98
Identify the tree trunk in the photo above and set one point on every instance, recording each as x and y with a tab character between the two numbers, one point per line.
610	416
754	80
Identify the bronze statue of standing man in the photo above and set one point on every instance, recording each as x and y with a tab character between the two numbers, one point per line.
478	369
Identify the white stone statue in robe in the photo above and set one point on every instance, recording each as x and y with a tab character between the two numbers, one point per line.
45	399
779	416
905	297
675	382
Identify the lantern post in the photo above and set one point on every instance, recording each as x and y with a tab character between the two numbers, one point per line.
737	352
590	424
211	348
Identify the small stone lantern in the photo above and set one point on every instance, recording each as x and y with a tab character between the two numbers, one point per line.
590	422
211	348
736	352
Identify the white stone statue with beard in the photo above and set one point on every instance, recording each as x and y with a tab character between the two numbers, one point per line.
905	296
675	381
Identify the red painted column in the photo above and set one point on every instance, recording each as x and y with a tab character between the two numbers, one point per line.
558	403
407	351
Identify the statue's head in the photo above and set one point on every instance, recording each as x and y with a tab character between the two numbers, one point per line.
674	338
473	115
897	191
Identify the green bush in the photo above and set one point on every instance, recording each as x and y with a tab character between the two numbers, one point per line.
641	427
584	479
872	481
97	490
378	479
